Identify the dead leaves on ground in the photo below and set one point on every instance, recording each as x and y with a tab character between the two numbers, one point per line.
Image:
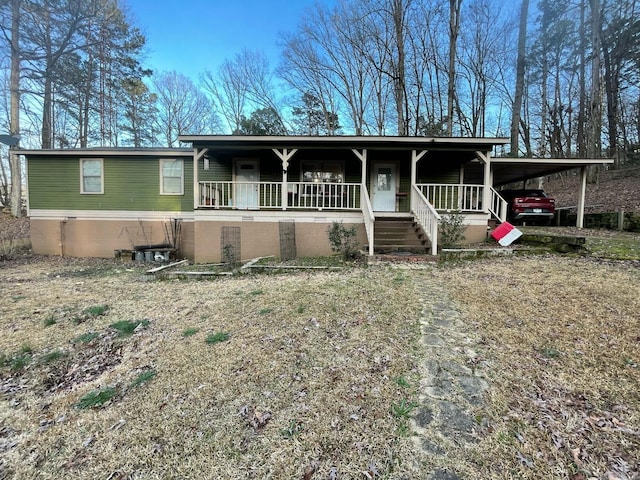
256	419
591	440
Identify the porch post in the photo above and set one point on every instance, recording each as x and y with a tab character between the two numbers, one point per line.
415	157
285	185
197	155
581	197
362	156
285	155
488	181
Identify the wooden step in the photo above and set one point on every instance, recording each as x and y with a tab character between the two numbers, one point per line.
394	235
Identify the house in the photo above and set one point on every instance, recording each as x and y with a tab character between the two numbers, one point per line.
249	196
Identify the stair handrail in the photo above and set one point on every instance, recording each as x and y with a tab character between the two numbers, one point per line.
369	217
498	206
427	217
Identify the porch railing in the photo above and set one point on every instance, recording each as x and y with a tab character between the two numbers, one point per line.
453	196
268	195
250	195
426	216
369	218
498	207
330	196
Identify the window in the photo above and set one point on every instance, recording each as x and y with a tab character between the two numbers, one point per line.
91	176
171	177
322	172
384	179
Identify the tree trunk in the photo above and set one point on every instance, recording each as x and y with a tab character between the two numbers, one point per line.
582	108
594	146
400	74
520	67
454	29
14	128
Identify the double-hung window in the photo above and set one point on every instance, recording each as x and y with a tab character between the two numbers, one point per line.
91	175
171	177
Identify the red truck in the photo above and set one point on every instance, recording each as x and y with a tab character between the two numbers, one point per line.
529	205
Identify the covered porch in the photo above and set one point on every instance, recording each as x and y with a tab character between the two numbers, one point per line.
376	177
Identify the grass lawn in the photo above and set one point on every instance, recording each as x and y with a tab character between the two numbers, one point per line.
561	337
245	377
284	375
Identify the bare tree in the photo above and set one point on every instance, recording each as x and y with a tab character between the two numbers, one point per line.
520	69
454	30
330	42
229	90
182	107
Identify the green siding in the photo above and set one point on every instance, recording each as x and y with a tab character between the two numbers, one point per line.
404	187
220	170
130	183
437	174
352	173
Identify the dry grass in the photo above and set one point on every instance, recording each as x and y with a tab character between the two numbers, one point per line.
305	379
314	372
562	340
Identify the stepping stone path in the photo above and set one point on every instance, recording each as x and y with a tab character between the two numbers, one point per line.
452	380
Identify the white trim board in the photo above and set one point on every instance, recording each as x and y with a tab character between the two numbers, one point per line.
110	215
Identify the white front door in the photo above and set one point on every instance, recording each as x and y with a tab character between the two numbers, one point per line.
383	187
246	188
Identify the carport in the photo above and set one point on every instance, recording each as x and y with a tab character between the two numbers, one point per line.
511	170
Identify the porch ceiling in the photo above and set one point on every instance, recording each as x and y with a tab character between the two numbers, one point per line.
511	170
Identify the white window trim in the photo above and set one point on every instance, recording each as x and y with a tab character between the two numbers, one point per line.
101	160
164	160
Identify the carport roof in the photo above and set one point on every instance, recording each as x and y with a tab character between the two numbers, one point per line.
510	170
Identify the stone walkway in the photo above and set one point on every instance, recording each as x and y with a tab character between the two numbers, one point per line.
452	375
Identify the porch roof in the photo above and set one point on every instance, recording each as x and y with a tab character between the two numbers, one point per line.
347	141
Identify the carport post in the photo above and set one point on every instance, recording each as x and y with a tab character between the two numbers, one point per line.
485	157
581	197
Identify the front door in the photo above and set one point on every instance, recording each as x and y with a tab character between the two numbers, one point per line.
247	178
383	187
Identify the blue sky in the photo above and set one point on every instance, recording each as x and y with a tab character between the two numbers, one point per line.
191	36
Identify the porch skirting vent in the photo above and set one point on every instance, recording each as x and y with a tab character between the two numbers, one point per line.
230	244
287	240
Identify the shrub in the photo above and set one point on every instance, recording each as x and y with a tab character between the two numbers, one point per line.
451	229
343	240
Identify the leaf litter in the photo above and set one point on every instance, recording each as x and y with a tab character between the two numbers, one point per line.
560	336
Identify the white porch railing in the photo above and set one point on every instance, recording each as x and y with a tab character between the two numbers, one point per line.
330	196
498	206
249	195
426	216
453	196
369	218
268	195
